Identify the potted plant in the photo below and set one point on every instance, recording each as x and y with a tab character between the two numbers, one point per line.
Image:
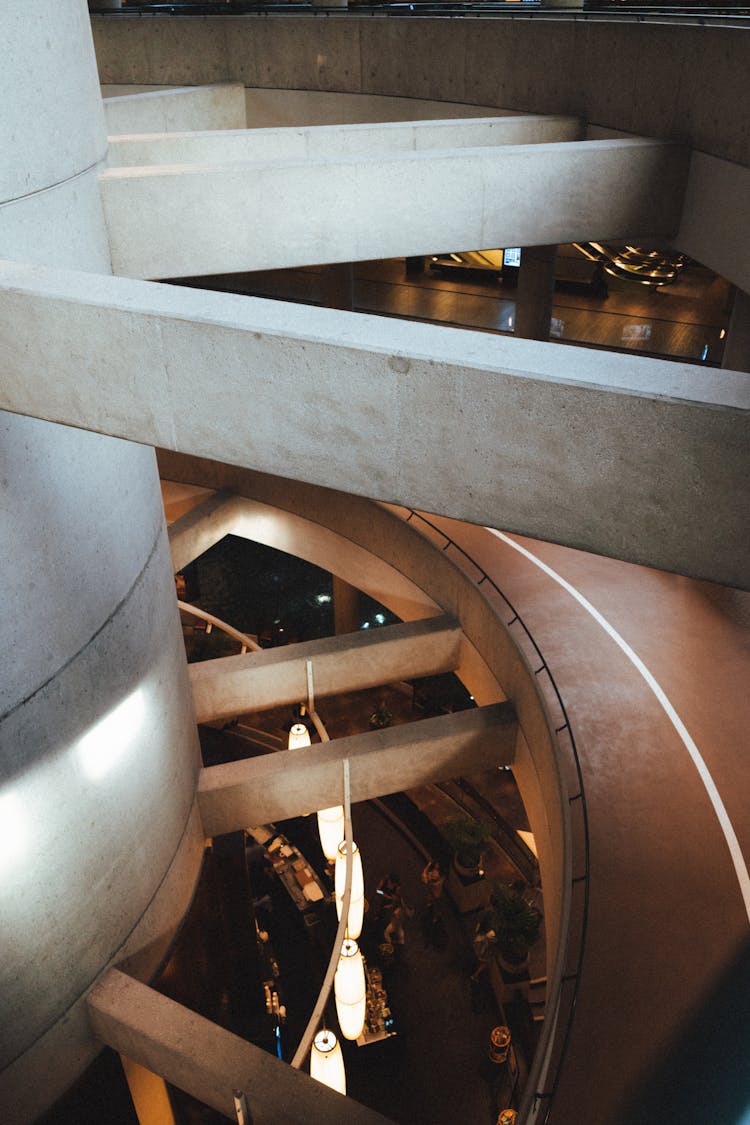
516	924
468	838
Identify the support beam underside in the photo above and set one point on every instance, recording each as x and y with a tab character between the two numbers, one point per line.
294	782
209	1062
231	685
619	455
347	209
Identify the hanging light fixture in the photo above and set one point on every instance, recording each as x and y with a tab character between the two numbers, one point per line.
331	830
299	736
357	900
350	990
327	1062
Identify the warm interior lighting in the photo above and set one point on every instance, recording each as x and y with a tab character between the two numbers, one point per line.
327	1062
331	830
104	745
529	841
357	901
299	736
350	990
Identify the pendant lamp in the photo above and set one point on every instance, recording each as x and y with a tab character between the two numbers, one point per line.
350	990
357	900
327	1062
299	736
331	830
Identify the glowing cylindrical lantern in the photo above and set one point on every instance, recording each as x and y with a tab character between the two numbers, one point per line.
350	990
299	736
357	900
331	830
327	1062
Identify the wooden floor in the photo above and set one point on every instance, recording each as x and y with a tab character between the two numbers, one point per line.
683	321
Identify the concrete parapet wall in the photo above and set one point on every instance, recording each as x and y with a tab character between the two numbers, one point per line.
343	140
547	441
290	783
234	684
715	226
592	69
352	208
167	111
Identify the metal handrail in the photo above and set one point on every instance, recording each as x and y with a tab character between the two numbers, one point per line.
494	9
246	641
546	1095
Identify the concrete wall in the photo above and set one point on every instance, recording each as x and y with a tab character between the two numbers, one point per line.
623	456
168	111
716	217
268	109
231	685
271	214
273	787
342	140
98	753
593	69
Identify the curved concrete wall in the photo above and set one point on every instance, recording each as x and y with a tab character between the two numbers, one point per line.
636	78
591	69
98	752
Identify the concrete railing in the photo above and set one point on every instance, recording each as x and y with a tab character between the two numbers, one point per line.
476	61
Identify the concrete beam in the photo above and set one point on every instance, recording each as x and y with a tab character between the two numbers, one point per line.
615	454
202	527
209	1062
234	684
321	142
295	782
274	214
221	106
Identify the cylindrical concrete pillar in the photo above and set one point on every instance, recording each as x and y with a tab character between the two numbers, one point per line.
99	843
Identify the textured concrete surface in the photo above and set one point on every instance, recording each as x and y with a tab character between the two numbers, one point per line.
52	146
295	782
483	62
342	140
666	917
558	442
268	109
716	217
98	750
231	685
210	1063
171	111
350	208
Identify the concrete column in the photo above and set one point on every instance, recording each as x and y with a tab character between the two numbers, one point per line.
345	607
98	752
337	289
149	1093
536	284
737	344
